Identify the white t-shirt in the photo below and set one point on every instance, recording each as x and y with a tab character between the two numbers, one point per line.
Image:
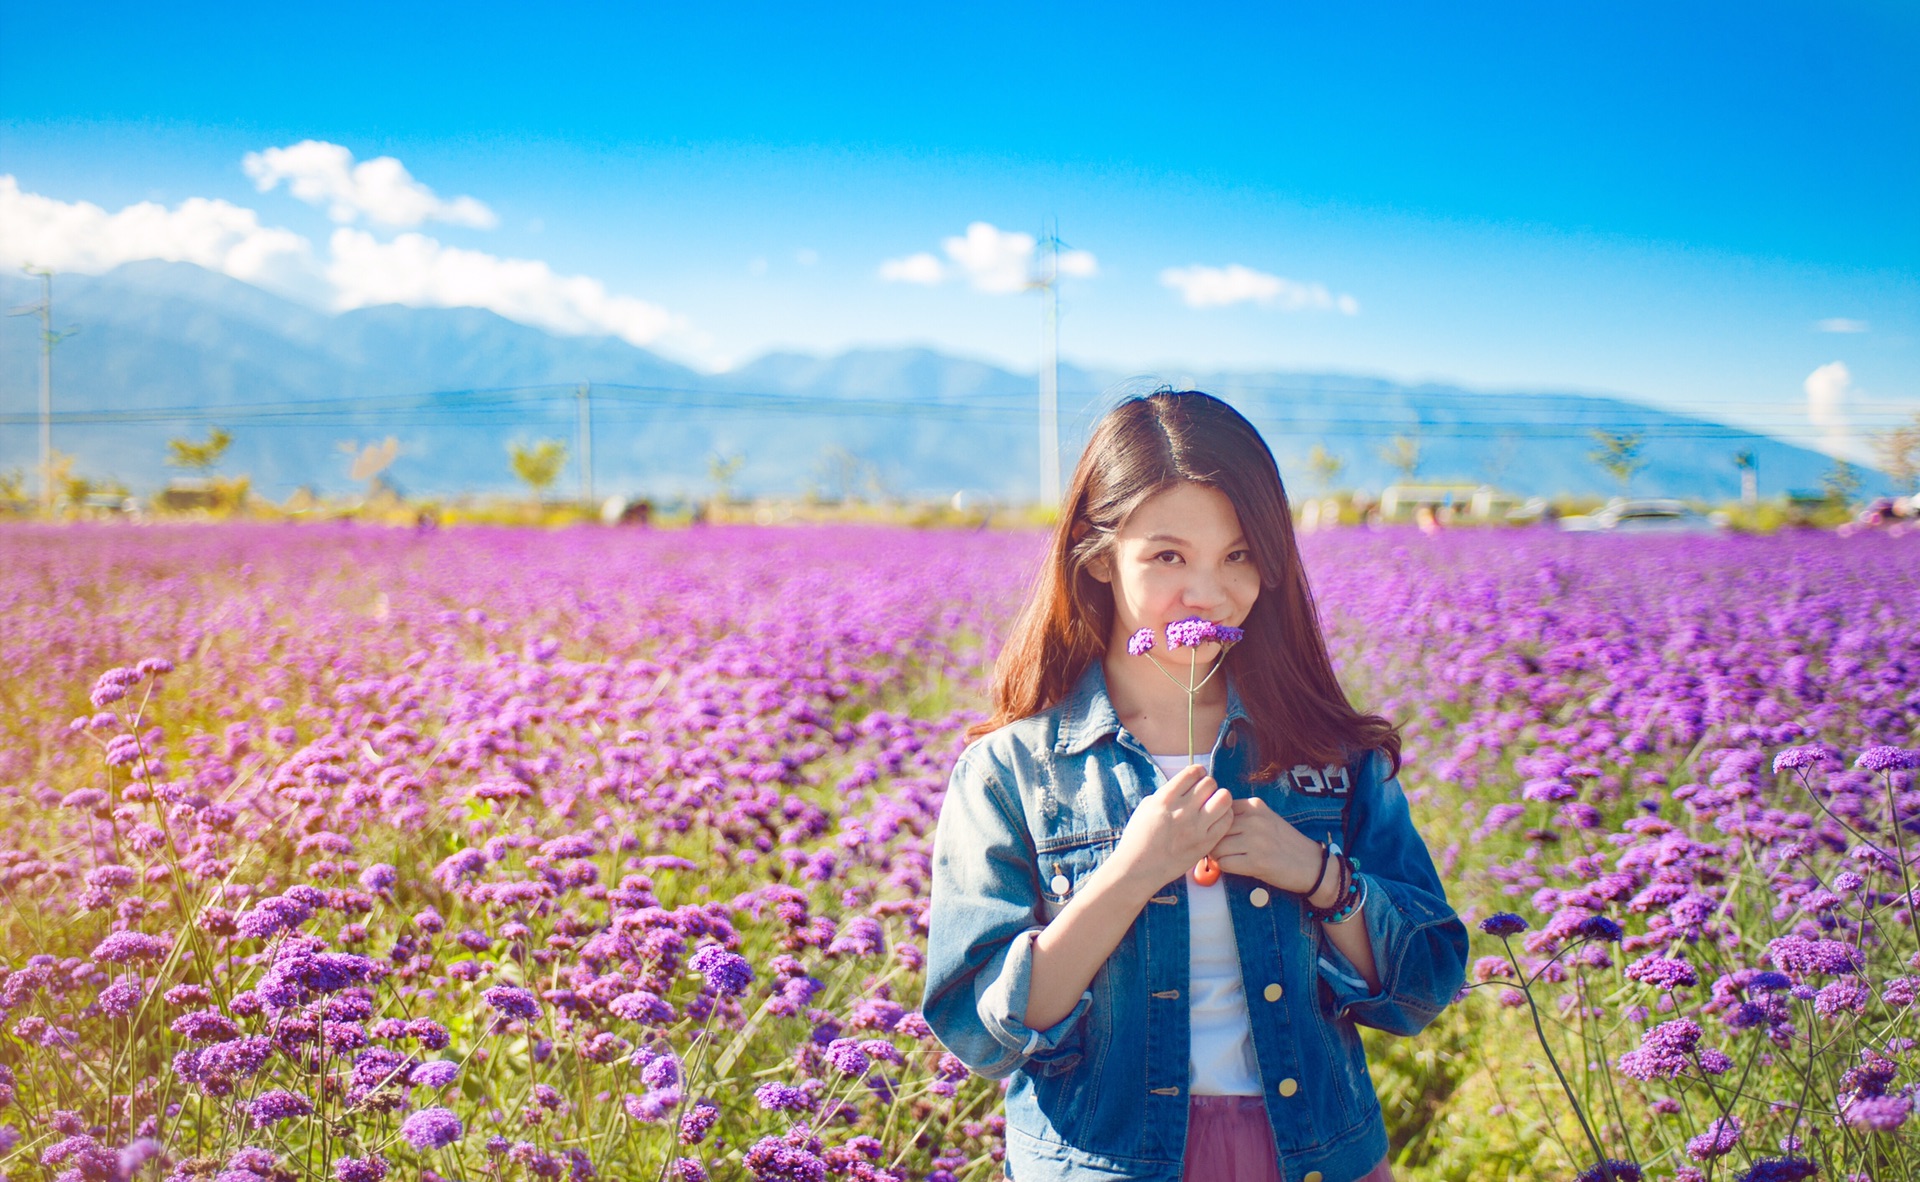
1220	1052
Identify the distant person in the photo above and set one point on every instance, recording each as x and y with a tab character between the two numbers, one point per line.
1169	958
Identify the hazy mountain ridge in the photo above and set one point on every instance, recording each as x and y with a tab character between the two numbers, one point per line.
166	335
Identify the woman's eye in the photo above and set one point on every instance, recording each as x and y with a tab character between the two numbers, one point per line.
1165	554
1240	556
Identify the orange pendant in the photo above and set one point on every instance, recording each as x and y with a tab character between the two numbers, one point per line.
1207	872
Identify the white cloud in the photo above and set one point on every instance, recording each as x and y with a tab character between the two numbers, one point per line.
1829	390
420	271
1201	286
1841	324
81	236
412	269
993	260
1078	264
915	268
380	189
806	256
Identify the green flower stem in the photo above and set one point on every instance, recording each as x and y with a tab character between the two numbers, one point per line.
1526	991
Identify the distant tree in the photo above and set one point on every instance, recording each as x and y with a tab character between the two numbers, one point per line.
721	469
1325	466
538	464
1841	482
74	487
13	487
1618	456
1749	466
1898	451
203	456
367	463
838	472
1402	454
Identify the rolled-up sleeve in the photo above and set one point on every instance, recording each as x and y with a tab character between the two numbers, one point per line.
983	917
1419	944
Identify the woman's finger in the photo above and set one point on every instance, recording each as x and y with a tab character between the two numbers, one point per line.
1185	779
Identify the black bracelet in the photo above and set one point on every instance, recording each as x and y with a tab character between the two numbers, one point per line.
1322	876
1348	889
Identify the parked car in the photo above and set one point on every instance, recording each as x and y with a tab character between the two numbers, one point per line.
1642	516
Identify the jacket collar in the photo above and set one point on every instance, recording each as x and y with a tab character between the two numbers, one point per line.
1087	714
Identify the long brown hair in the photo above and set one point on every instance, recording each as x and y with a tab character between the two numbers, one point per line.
1281	670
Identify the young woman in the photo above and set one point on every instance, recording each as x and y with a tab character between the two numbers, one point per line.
1168	960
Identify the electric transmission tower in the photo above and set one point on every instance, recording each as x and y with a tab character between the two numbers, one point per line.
1047	282
43	308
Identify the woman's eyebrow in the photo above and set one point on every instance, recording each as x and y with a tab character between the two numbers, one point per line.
1237	541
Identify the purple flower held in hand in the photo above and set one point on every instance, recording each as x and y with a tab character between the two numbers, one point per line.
278	1105
1503	924
1140	643
512	1001
1191	632
432	1128
727	973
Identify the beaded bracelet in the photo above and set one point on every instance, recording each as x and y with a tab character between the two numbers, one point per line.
1347	900
1352	909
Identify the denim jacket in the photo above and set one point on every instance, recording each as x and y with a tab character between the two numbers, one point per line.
1031	810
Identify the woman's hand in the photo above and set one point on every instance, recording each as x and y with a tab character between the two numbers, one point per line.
1261	844
1174	828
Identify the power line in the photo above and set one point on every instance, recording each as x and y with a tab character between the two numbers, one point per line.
517	404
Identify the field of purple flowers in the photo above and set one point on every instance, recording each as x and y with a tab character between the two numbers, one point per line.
335	854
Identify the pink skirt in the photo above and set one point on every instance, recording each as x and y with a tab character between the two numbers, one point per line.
1229	1140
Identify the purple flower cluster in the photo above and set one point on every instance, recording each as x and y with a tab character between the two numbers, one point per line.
1193	632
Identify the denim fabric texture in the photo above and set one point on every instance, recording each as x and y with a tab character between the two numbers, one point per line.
1031	811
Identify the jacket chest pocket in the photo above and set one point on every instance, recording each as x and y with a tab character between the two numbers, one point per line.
1066	862
1317	817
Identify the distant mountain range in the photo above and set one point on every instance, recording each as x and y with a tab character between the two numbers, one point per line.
456	385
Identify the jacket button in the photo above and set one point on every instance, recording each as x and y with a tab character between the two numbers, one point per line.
1288	1087
1272	993
1060	884
1312	1176
1258	896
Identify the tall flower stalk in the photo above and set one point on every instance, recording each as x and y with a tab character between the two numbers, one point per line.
1190	634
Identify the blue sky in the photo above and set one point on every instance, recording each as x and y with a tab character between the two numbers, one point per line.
1661	201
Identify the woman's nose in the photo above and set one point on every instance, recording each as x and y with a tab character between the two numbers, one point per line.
1202	593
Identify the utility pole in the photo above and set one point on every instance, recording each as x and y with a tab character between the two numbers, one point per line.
48	339
583	422
1048	284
